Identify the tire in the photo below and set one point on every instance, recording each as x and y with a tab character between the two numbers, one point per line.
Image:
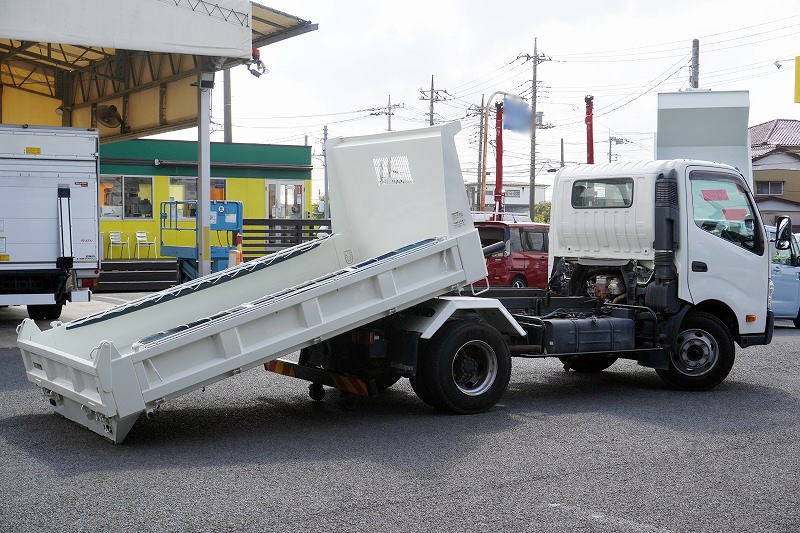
797	322
703	355
587	364
465	368
45	312
519	282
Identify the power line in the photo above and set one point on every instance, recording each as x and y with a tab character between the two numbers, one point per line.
639	48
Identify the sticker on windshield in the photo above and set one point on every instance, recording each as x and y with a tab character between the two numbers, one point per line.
734	214
715	195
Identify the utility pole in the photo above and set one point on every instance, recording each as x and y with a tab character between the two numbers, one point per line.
498	173
535	60
481	184
389	112
694	75
226	97
589	120
434	95
615	140
325	168
562	151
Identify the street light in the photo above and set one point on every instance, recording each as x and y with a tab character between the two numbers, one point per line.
485	120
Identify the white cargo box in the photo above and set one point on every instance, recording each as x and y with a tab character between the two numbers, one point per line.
36	228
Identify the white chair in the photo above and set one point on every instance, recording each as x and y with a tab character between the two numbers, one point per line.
142	241
115	239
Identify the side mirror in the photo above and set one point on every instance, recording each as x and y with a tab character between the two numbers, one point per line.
783	233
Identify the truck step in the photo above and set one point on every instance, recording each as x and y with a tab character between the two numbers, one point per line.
134	286
149	264
137	276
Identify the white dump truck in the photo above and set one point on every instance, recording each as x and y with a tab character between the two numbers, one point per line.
49	249
383	296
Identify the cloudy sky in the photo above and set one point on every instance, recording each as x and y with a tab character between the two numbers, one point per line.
622	52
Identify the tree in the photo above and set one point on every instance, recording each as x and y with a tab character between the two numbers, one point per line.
541	212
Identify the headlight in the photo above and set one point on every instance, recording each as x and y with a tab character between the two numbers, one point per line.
769	295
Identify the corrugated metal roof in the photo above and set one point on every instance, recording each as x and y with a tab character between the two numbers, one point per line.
778	132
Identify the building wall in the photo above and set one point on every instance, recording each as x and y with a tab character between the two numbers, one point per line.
250	191
22	107
790	179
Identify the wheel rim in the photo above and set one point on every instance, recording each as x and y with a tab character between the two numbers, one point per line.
696	354
474	367
518	283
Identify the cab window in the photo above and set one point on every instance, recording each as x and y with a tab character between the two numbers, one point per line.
605	193
516	242
721	207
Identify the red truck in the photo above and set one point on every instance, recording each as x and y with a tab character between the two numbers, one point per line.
523	262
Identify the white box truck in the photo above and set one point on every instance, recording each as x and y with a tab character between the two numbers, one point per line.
49	245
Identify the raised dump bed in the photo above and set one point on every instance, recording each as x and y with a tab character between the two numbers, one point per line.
402	235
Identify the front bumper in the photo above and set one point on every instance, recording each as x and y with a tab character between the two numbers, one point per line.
759	338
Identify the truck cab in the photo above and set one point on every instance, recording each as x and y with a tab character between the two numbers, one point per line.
674	236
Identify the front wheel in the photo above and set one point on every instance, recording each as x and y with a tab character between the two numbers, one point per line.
703	354
465	368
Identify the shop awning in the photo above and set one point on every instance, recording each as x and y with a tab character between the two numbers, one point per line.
141	57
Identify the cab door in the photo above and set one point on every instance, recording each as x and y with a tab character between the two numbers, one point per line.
518	262
786	277
727	257
534	244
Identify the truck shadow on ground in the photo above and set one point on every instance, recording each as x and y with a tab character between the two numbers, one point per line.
395	429
733	407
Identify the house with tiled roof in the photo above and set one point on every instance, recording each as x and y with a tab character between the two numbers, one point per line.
775	151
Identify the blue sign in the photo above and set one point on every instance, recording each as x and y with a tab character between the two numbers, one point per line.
516	115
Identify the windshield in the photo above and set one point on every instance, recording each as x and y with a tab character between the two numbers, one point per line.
721	207
491	234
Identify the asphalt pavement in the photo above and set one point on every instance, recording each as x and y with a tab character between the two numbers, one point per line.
616	451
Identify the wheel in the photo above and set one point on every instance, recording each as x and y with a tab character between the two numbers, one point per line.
45	312
465	368
519	282
703	354
797	321
316	391
587	363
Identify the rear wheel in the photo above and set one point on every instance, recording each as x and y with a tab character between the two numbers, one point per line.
45	312
703	355
465	368
587	363
519	282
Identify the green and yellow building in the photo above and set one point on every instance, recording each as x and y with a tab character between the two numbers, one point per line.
136	176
